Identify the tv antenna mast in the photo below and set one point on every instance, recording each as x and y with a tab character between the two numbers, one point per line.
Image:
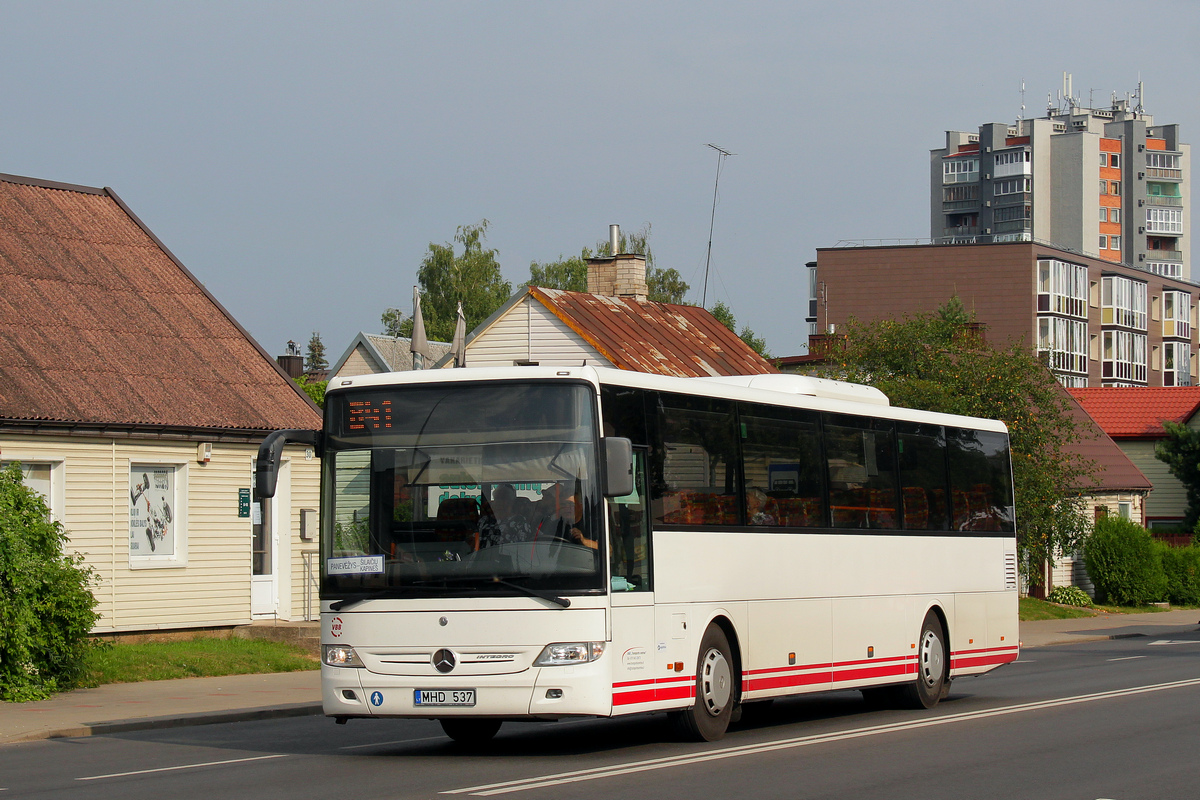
721	156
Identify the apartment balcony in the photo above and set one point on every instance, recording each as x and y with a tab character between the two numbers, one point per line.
960	205
1164	255
1164	200
1160	173
961	230
1012	225
965	177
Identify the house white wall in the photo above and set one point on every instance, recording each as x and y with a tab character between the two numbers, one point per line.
530	333
208	582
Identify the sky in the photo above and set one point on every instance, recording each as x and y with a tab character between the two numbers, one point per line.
299	158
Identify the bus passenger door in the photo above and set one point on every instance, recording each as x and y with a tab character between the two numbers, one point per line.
632	593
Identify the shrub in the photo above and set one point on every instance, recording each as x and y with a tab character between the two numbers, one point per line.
46	607
1069	596
1124	563
1182	568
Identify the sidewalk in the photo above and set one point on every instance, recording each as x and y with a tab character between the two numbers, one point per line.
198	701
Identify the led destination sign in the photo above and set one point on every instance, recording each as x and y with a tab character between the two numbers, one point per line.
368	415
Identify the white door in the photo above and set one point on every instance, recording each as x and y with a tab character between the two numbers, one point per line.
267	517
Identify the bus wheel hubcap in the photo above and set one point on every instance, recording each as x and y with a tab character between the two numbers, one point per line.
931	658
716	682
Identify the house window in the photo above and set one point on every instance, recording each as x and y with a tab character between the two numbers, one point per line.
1062	288
157	515
1125	510
1124	358
1064	343
40	476
1177	363
1177	315
1123	302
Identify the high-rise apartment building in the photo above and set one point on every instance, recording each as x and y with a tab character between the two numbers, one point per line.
1106	182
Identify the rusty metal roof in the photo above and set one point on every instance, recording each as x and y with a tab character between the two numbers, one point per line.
638	335
101	325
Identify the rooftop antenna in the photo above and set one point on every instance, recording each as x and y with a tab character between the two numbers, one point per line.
721	156
1022	117
1139	109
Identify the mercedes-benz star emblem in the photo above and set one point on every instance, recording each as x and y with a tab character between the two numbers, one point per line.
443	660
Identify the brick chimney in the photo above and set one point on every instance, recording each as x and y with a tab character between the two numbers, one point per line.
620	275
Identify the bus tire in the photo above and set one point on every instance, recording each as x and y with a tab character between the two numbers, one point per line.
716	690
470	731
933	664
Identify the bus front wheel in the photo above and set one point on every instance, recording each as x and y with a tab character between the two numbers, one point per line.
470	731
933	664
716	690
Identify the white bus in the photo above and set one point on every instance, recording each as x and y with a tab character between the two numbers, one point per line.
539	543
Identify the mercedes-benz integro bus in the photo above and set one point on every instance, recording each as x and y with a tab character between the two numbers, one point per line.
540	543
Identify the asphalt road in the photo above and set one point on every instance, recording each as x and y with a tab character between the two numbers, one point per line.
1114	719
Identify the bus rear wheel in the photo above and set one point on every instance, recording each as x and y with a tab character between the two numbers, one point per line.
933	666
716	691
470	731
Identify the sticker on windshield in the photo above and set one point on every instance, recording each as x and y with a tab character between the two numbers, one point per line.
355	565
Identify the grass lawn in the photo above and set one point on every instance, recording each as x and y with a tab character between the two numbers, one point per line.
156	661
1034	609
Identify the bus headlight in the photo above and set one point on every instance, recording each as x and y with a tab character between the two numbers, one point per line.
564	653
339	655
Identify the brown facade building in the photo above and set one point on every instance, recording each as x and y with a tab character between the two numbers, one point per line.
1099	323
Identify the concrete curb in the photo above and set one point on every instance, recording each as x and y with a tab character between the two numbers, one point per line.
182	721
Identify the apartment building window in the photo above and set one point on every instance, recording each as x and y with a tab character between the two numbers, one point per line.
1114	215
1012	157
1104	159
959	194
1103	242
1165	268
1114	187
1062	288
1009	213
1164	220
1103	187
1124	358
1011	186
1177	315
1114	160
1064	342
1162	160
960	170
1103	214
1114	243
1123	302
1177	361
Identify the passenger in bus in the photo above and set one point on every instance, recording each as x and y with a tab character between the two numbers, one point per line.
572	525
504	524
760	508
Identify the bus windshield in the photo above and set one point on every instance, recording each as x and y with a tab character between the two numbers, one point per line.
461	490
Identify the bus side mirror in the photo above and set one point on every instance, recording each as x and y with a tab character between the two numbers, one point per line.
270	452
618	463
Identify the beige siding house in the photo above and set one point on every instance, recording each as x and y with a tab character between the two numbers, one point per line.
135	404
370	354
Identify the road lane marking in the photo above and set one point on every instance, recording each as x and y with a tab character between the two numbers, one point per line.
182	766
1175	641
1125	658
614	770
385	744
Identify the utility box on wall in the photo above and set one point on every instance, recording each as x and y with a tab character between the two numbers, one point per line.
308	524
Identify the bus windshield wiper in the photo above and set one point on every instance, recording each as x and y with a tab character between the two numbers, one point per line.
525	590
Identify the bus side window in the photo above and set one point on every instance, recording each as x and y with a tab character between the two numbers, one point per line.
781	462
700	475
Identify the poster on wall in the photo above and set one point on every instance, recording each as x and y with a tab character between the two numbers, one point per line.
151	517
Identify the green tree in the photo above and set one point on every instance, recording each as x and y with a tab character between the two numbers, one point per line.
46	605
1180	451
396	323
315	357
314	389
934	362
472	277
566	273
725	316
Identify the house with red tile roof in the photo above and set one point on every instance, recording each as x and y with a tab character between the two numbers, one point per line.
1133	417
135	404
613	324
